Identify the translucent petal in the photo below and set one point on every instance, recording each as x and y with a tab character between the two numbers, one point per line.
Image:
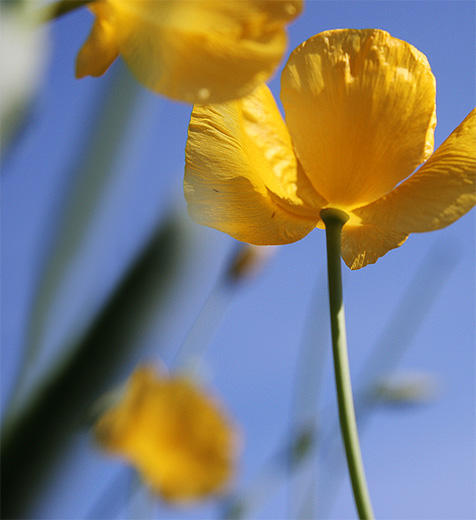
363	245
202	50
241	174
439	193
173	433
360	106
100	49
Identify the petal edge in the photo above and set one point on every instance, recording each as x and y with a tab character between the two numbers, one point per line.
364	245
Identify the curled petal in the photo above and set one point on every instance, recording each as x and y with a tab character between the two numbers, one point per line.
363	245
241	174
439	193
360	106
202	50
100	49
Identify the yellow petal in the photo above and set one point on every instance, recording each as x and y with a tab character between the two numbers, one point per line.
241	174
439	193
100	49
363	245
360	106
202	50
175	435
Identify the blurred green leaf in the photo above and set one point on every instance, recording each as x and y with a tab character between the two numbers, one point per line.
91	170
33	442
22	67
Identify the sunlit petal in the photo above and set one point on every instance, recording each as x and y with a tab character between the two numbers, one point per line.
241	174
360	106
202	50
100	49
439	193
363	245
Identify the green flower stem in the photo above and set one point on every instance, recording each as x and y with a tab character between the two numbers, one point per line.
334	220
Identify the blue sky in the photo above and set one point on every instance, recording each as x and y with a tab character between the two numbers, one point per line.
420	460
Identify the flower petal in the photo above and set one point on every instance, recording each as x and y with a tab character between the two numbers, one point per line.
360	106
100	49
203	50
439	193
363	245
241	174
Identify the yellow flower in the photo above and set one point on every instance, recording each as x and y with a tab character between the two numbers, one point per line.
175	435
191	50
360	116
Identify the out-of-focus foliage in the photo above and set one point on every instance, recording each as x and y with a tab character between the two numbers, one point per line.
24	50
63	403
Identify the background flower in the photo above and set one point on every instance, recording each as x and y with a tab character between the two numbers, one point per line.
191	50
173	433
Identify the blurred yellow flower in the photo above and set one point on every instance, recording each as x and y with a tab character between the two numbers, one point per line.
190	50
360	117
174	434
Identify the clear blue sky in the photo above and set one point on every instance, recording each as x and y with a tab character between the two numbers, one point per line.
420	460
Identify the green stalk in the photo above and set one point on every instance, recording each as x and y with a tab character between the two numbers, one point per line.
334	220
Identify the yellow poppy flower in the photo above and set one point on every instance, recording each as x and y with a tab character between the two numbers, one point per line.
190	50
360	117
175	435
